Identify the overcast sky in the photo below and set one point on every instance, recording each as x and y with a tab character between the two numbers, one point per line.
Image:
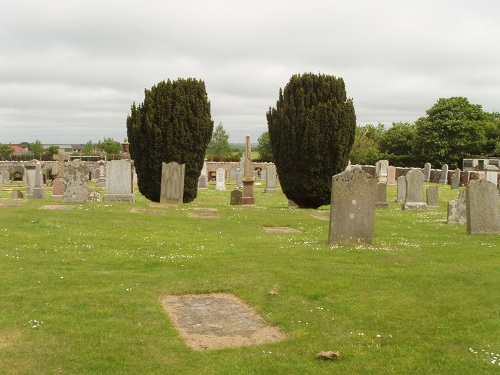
70	70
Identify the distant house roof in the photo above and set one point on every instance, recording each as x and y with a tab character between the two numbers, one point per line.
18	148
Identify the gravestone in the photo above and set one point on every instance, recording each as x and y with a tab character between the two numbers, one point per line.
456	213
172	183
17	194
75	182
220	179
491	174
102	174
236	197
239	176
94	196
5	177
391	175
381	170
242	163
381	196
401	197
482	207
202	182
248	178
29	176
263	174
58	183
119	181
432	196
352	209
455	179
464	178
414	191
232	175
271	179
427	172
443	178
38	190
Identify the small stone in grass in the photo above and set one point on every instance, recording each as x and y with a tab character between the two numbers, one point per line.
328	355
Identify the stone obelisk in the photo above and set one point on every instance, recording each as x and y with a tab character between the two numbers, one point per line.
248	179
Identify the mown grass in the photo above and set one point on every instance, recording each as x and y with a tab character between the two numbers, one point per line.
80	289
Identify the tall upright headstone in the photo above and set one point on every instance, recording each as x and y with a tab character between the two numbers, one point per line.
352	209
271	179
381	170
239	176
203	179
381	196
5	177
29	177
391	175
119	181
58	183
401	189
491	174
427	172
432	196
414	191
75	180
39	189
443	178
248	179
220	179
455	179
102	174
172	183
482	207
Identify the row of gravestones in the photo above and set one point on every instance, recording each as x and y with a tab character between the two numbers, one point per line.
352	209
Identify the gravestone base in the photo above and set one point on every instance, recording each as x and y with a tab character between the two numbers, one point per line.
248	198
119	197
38	193
270	190
57	189
381	205
415	206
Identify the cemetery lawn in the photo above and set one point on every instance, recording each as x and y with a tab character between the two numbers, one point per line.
80	289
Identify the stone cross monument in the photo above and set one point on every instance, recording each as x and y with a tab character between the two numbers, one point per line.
248	179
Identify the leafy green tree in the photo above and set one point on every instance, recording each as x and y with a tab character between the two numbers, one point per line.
492	134
52	150
396	145
37	149
112	148
173	124
311	130
89	149
365	149
452	130
219	148
264	147
6	151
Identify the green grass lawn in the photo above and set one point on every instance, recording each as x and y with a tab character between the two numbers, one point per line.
80	289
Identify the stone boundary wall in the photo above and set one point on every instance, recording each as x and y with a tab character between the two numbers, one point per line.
46	165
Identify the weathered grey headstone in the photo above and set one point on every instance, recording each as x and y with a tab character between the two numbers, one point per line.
5	177
220	179
248	178
432	196
352	209
461	195
391	175
17	194
232	175
172	183
401	190
381	170
456	212
455	179
202	182
263	174
427	172
443	178
119	181
271	179
414	191
29	176
94	196
102	175
491	174
75	180
236	197
482	207
381	196
239	176
38	190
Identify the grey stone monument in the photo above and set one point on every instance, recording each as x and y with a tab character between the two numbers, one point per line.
352	209
482	207
381	196
456	212
119	181
236	197
172	183
39	189
455	179
401	197
381	170
271	179
427	172
75	180
414	191
443	178
102	174
432	196
29	176
220	179
5	177
491	174
248	179
58	183
391	175
239	176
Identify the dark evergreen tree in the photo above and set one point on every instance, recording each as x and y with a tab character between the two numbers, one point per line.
173	124
312	131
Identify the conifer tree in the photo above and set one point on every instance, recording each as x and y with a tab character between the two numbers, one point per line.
312	131
173	124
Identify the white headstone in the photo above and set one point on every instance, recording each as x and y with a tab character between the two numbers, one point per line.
220	179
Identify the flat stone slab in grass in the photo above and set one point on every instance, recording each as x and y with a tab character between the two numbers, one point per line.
164	205
211	209
204	215
216	321
60	207
281	229
8	205
321	217
146	211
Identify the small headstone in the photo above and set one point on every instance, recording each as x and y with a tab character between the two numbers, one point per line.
172	183
239	182
271	179
94	196
75	181
381	196
263	174
202	182
232	175
427	172
491	174
443	179
5	177
119	181
236	197
17	194
220	179
381	170
464	178
29	176
102	176
352	209
414	191
401	197
432	196
456	212
391	175
482	207
38	190
248	176
455	179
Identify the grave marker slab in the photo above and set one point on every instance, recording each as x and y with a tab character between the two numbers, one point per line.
172	183
236	197
443	178
119	181
220	179
456	213
432	196
271	179
427	172
401	197
75	180
455	179
414	191
381	196
482	207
